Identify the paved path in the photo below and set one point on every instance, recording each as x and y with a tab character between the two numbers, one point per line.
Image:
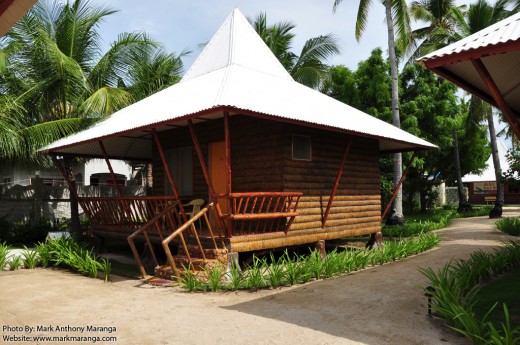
382	305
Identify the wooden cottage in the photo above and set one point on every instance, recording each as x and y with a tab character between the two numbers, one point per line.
278	164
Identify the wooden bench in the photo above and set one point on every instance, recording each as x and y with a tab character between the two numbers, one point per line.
490	199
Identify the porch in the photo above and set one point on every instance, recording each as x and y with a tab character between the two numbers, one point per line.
197	241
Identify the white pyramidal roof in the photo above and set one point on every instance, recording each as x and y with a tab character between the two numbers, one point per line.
489	173
236	72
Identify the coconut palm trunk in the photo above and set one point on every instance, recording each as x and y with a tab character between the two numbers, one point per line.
496	212
397	216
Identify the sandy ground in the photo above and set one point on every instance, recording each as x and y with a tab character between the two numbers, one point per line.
382	305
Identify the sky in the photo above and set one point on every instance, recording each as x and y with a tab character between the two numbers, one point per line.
181	25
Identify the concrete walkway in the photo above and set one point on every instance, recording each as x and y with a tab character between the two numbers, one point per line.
381	305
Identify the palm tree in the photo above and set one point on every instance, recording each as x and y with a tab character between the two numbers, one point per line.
441	18
309	67
398	25
56	78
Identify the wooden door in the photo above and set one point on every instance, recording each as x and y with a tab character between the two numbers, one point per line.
218	174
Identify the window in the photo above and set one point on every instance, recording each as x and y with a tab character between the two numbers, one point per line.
301	147
180	161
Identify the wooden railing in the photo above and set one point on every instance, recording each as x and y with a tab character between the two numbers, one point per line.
261	212
128	212
186	232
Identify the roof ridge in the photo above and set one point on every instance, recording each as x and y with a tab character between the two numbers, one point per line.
236	42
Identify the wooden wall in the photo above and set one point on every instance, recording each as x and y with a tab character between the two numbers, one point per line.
356	208
261	153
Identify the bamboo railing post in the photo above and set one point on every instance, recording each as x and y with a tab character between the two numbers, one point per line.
168	172
398	186
336	183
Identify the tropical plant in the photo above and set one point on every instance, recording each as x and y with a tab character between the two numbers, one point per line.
15	263
4	252
398	25
307	68
31	258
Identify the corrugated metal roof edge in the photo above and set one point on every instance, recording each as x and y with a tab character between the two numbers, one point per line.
241	111
463	43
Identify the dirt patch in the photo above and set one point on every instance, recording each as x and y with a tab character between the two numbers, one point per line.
381	305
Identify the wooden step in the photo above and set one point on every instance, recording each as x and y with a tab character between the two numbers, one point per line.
198	266
210	253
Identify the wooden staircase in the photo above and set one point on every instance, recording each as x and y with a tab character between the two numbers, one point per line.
197	264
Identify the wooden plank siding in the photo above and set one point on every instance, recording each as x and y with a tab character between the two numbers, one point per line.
261	160
356	208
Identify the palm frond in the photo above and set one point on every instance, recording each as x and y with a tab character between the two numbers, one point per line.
105	101
362	17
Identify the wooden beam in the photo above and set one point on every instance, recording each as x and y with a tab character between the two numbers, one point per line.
105	156
336	183
398	186
168	172
497	96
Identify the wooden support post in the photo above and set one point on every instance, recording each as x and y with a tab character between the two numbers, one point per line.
336	183
168	172
105	155
497	96
227	141
398	186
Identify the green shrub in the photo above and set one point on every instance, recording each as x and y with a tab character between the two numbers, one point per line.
509	225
